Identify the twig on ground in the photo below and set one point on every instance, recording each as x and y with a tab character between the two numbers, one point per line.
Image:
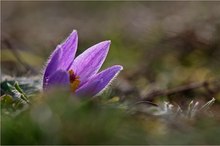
155	93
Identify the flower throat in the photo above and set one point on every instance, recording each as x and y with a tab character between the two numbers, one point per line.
74	80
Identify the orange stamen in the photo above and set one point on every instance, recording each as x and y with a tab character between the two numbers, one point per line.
74	80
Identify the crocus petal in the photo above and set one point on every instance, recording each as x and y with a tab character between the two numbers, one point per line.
52	65
89	62
99	82
62	57
58	78
68	47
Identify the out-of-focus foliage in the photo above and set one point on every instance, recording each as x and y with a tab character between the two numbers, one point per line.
57	117
13	98
16	97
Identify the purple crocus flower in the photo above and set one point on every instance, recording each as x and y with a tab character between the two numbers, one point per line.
79	74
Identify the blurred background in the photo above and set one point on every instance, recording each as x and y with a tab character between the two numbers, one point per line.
160	44
170	52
